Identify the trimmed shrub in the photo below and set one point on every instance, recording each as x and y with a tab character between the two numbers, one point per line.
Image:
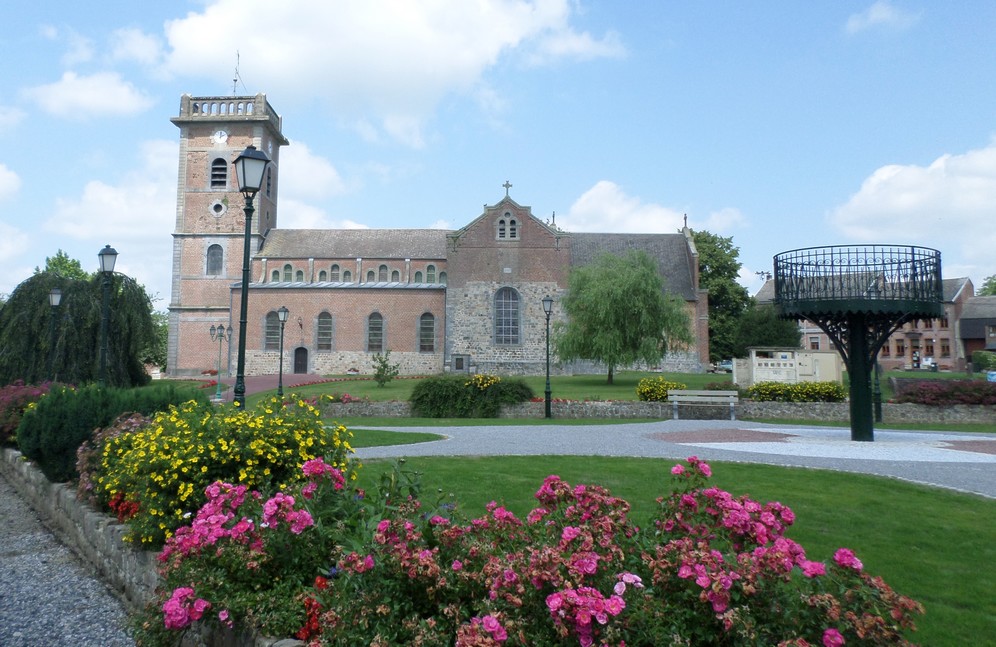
801	392
52	429
654	389
457	396
14	399
943	393
984	360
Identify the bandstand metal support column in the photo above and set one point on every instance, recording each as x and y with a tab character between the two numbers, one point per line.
859	374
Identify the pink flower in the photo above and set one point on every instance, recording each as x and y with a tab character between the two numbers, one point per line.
677	470
554	601
704	469
845	558
813	569
569	533
368	562
832	638
457	565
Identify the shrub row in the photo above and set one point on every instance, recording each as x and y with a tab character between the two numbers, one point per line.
54	427
801	392
456	396
941	393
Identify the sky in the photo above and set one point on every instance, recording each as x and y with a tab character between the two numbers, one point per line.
782	125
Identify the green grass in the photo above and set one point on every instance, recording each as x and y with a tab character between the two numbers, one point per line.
381	438
934	545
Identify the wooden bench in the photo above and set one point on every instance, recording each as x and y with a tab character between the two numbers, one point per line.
682	396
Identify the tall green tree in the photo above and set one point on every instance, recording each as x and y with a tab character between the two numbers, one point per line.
719	268
65	266
988	288
760	325
39	342
618	313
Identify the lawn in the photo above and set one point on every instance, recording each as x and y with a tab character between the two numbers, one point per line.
934	545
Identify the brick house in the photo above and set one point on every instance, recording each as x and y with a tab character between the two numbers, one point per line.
439	300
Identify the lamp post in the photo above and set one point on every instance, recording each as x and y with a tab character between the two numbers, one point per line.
220	333
249	168
54	299
548	308
107	257
282	316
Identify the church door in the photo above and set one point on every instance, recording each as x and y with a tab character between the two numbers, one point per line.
300	360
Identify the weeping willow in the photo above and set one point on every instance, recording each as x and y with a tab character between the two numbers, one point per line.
39	342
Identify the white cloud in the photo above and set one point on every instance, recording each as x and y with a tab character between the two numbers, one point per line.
101	94
10	183
397	59
881	14
299	215
607	208
130	215
135	46
949	205
304	175
10	117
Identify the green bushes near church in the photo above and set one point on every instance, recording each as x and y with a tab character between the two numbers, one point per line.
801	392
53	427
459	396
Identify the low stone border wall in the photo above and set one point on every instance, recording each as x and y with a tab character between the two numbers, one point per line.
98	538
620	410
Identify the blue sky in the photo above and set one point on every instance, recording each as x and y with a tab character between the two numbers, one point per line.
782	124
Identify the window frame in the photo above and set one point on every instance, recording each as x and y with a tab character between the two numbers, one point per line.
375	330
215	260
271	331
507	317
427	333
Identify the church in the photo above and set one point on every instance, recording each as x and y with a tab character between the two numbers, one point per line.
468	300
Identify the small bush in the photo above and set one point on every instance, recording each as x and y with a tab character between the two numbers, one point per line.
14	399
984	360
53	428
942	393
801	392
163	468
456	396
384	370
654	389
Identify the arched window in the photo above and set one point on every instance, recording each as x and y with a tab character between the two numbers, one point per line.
269	179
325	331
347	276
335	272
430	273
371	277
442	278
323	276
375	333
288	273
299	276
395	276
382	273
275	277
219	173
427	333
513	231
215	256
418	277
506	317
271	334
502	232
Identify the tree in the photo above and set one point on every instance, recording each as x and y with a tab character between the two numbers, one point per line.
155	352
719	269
39	342
64	266
618	314
760	325
988	288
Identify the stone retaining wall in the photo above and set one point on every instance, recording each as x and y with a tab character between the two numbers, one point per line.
620	409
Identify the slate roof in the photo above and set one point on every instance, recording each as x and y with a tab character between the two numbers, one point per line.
354	243
671	250
979	308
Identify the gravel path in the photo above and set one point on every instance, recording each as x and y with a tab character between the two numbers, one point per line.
48	598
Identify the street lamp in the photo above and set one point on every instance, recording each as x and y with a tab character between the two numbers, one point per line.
282	316
249	168
107	257
54	299
220	333
548	308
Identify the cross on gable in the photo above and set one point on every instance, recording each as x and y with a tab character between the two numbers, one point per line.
507	185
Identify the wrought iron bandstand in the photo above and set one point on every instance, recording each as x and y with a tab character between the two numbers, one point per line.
859	295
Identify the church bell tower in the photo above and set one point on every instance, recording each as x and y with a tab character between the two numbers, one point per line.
209	234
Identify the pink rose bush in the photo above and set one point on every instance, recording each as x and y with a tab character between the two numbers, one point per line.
709	568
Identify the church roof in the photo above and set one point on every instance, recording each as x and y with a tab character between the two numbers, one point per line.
354	243
671	250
